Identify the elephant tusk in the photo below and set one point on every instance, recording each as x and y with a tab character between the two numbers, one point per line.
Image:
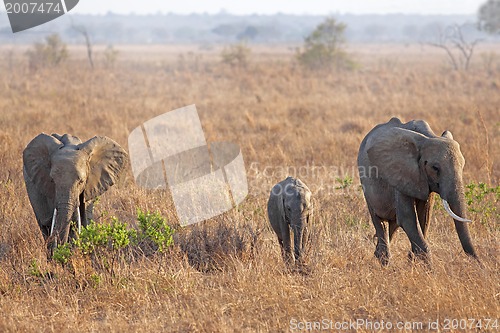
455	216
53	221
79	220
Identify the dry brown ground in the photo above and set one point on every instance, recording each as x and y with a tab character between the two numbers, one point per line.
283	118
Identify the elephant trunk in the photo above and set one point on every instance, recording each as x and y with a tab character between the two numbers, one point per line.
457	205
64	214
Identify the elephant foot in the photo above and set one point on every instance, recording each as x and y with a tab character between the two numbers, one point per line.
419	256
288	261
382	255
51	246
302	267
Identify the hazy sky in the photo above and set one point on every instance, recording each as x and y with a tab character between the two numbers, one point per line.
320	7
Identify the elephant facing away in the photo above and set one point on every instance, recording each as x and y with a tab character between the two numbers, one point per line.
290	209
401	166
63	178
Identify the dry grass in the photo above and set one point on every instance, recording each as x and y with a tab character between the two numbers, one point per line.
226	274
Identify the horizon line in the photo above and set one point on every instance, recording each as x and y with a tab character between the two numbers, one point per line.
221	13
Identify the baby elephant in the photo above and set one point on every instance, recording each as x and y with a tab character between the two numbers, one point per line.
290	207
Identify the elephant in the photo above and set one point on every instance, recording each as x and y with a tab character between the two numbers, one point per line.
402	167
290	207
64	177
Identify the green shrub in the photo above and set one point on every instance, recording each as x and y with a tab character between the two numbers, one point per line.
107	243
91	237
34	269
113	236
96	280
154	228
483	199
62	253
119	236
344	182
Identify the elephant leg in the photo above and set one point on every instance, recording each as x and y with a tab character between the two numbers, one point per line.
45	230
41	207
86	211
382	248
297	242
424	212
286	245
73	231
393	226
83	211
280	242
89	214
407	219
282	248
305	238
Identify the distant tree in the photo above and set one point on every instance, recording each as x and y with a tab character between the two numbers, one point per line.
248	34
324	48
489	16
236	55
81	29
458	48
226	30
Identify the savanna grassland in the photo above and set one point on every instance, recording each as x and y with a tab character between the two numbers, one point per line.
226	274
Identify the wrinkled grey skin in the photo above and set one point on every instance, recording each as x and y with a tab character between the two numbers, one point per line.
64	173
401	166
290	208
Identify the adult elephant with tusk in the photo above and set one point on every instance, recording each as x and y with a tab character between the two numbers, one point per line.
63	178
401	166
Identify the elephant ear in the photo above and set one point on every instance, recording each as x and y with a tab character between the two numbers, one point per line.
420	126
67	139
106	162
395	153
447	134
37	162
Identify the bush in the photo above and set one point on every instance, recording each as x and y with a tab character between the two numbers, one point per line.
111	236
344	183
112	243
324	48
62	254
154	231
483	199
236	55
50	53
110	56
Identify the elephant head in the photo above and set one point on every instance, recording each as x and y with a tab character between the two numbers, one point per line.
62	175
290	207
416	165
